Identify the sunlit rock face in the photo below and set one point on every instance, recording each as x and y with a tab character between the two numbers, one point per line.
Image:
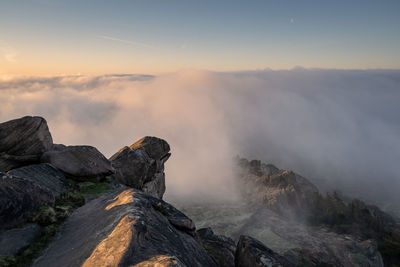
141	165
126	228
23	141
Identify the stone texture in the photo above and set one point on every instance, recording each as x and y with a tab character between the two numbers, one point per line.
14	240
126	228
220	248
141	165
44	175
81	163
23	141
252	253
19	199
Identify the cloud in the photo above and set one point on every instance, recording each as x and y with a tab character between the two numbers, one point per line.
9	53
338	127
291	20
130	42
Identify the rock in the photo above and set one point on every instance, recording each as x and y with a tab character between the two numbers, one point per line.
141	165
19	199
220	248
23	141
81	163
44	175
14	240
126	228
252	253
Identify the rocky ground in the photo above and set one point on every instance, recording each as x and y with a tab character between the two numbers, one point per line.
70	206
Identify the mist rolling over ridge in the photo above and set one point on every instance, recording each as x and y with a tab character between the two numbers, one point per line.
340	128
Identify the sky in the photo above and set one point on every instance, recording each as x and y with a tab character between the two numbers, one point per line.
56	37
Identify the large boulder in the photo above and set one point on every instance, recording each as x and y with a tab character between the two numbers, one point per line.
220	248
141	165
252	253
23	141
126	228
44	175
14	240
81	163
19	199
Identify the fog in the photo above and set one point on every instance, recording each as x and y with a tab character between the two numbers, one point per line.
340	128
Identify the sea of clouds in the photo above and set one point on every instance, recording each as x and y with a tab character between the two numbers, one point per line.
341	128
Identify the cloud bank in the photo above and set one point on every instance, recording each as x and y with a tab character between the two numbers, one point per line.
341	128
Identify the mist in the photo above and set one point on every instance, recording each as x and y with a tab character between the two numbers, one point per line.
340	128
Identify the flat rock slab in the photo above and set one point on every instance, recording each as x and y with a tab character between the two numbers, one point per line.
80	163
126	228
14	240
44	175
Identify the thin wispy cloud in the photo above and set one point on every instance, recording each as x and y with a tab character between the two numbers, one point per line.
130	42
9	53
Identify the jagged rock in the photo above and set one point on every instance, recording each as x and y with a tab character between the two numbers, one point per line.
14	240
23	141
252	253
141	165
44	175
126	228
220	248
19	199
81	163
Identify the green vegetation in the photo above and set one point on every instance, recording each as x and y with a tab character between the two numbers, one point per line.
94	190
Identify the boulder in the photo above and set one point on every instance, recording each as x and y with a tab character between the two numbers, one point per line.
141	165
44	175
19	199
23	141
220	248
252	253
81	163
126	227
14	240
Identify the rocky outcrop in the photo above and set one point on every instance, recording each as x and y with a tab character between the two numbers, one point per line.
283	191
252	253
81	163
220	248
44	175
141	165
23	141
19	199
14	240
126	228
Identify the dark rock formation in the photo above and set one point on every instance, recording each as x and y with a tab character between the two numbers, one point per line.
141	165
14	240
81	163
44	175
23	141
126	228
220	248
252	253
20	198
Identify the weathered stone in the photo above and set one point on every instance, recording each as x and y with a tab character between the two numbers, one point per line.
23	141
252	253
80	163
19	199
141	165
220	248
44	175
14	240
124	228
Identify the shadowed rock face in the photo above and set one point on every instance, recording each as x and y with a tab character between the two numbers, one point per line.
20	198
44	175
252	253
126	228
81	163
141	165
23	141
14	240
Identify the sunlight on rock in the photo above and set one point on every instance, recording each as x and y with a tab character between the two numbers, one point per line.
124	198
160	261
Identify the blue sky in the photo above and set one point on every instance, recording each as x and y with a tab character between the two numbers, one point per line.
55	37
